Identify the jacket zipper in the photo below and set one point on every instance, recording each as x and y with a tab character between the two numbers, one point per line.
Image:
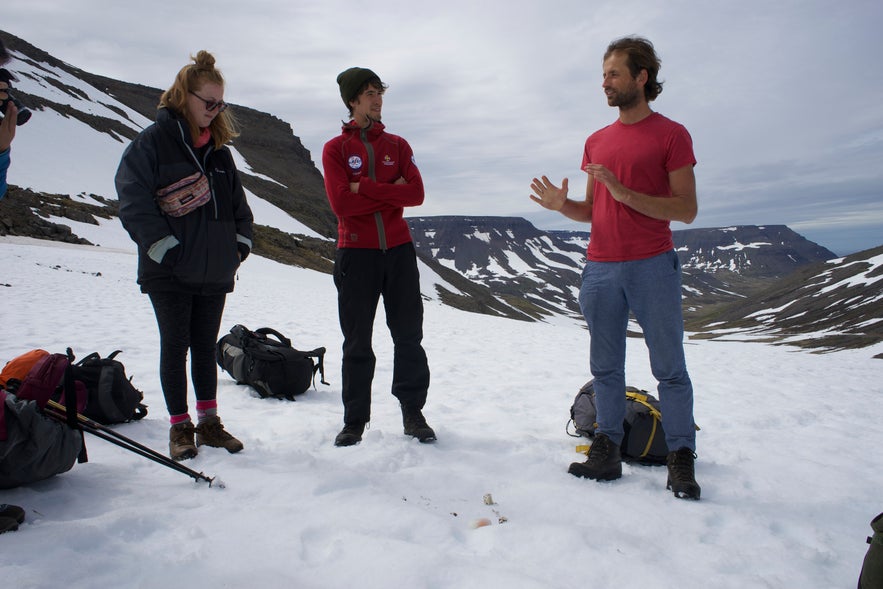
378	218
202	166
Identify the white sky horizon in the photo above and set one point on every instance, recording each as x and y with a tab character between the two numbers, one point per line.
489	102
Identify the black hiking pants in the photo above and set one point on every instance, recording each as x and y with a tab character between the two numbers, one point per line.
362	276
187	322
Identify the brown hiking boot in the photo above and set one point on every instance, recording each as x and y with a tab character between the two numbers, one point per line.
181	446
211	432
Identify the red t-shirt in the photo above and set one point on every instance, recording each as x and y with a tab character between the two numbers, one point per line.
641	156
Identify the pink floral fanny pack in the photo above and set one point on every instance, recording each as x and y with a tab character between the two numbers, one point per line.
184	196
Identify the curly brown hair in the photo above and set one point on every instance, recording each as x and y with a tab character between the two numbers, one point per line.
192	78
641	56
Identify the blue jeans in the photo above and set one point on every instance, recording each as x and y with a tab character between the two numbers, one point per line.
651	289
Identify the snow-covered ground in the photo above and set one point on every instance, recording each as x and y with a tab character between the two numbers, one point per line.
788	458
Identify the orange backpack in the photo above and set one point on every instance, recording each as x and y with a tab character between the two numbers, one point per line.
19	366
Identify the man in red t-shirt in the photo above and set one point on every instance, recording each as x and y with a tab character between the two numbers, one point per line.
640	179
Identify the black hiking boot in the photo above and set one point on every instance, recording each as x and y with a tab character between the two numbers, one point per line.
13	512
416	426
350	435
10	517
604	462
681	480
181	444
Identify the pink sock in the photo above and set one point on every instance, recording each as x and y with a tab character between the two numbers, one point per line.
206	409
176	419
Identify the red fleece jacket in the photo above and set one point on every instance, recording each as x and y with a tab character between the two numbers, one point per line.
373	216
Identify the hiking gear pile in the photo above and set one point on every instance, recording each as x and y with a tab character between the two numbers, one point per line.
34	446
42	425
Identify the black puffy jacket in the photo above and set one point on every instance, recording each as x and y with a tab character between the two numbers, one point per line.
200	252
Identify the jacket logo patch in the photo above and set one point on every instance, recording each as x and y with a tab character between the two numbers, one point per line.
355	162
387	161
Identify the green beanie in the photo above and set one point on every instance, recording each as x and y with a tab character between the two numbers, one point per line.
352	80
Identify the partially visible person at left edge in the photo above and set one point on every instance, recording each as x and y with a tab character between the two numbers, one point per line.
7	125
10	515
182	203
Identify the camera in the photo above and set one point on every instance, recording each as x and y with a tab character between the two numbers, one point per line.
24	114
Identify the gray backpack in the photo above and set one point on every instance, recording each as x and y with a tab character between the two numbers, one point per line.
34	447
644	439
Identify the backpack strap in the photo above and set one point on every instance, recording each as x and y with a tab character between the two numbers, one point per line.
270	331
70	400
140	412
92	356
319	354
642	399
657	417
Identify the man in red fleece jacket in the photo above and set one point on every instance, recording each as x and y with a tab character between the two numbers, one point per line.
370	176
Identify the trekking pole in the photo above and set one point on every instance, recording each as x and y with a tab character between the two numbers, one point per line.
135	449
56	411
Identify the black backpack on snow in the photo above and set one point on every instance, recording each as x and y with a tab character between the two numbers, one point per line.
269	364
112	396
644	439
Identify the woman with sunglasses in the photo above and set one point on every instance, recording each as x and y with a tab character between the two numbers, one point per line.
182	203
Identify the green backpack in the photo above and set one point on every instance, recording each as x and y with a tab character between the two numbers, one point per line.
871	576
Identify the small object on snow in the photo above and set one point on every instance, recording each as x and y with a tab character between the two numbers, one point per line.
582	449
480	523
488	499
216	482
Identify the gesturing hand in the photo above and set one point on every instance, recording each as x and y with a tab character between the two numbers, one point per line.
548	195
7	126
608	179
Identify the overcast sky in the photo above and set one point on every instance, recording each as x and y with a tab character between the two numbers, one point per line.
784	100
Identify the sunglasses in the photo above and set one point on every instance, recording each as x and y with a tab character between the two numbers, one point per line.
212	104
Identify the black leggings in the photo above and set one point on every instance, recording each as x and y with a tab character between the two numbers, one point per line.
187	322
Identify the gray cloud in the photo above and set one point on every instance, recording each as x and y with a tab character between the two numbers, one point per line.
782	99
